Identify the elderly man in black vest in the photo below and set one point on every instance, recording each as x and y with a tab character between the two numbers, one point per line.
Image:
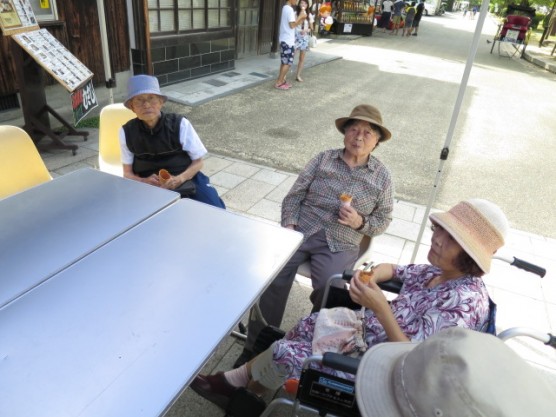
163	149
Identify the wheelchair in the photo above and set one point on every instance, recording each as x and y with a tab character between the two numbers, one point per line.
322	394
327	395
516	30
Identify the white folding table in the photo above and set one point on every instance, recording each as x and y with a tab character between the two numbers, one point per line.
46	228
123	331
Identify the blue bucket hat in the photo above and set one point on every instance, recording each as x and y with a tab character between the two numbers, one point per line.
142	84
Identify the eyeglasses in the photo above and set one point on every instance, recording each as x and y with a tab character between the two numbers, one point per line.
436	228
368	131
141	101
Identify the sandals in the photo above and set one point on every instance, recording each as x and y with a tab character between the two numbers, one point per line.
283	86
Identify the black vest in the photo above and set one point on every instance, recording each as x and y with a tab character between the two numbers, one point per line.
156	148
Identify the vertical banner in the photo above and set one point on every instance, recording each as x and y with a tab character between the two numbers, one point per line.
83	100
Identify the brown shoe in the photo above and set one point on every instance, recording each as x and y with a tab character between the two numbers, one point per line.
214	388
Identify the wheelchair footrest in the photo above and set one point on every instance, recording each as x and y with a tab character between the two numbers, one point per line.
245	404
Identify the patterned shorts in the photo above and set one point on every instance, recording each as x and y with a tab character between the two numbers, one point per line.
286	53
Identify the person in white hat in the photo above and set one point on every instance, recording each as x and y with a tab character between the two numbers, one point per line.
456	373
156	141
448	292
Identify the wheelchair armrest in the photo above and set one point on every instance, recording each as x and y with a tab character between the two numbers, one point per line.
340	362
392	285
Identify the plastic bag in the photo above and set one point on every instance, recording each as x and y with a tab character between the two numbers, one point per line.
313	42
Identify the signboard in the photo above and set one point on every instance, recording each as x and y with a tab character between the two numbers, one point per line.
511	36
348	27
54	58
17	16
83	100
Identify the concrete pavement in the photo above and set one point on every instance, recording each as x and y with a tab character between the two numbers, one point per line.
256	189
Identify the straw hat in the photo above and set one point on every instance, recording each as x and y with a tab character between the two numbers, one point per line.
369	114
479	227
142	84
457	372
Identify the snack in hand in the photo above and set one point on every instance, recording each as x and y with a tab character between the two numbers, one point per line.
345	199
365	276
163	176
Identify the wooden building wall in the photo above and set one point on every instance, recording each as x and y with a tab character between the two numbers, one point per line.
78	29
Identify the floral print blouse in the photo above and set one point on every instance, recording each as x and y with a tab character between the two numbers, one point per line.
420	312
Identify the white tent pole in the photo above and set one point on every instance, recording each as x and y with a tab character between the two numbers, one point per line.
457	107
105	50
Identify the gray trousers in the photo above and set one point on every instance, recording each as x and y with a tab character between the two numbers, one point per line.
324	264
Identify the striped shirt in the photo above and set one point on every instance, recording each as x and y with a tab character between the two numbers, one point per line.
313	202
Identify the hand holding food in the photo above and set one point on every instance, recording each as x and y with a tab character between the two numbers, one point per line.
345	199
365	276
163	176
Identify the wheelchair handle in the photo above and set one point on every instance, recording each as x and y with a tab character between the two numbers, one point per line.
547	338
520	263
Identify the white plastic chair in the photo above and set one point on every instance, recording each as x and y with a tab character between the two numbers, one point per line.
112	118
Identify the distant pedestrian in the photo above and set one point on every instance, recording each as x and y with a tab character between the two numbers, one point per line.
475	10
288	22
397	19
418	14
386	14
465	10
410	12
302	36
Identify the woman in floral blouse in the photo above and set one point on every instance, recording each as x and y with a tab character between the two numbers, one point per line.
447	293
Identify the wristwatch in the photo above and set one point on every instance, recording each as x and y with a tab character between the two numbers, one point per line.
364	222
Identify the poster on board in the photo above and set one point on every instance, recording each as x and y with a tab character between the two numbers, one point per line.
83	100
17	16
55	58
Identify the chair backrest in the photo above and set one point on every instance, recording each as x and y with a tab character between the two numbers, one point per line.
516	20
21	165
364	255
112	118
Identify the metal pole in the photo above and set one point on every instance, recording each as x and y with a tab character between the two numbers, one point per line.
105	49
446	150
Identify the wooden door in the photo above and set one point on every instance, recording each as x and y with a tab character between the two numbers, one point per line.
267	27
248	27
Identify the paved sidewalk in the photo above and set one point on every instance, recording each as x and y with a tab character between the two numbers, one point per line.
523	299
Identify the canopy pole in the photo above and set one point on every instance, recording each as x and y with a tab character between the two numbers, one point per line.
105	50
449	135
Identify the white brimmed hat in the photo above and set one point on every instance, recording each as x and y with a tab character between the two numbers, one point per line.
479	227
457	372
142	84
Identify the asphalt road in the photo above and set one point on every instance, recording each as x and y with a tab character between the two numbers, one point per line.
503	147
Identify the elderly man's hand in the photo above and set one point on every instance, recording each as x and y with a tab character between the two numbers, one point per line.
172	183
152	180
348	216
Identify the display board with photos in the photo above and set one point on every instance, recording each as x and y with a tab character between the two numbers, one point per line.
17	16
54	58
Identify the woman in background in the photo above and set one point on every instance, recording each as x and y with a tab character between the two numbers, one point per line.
303	34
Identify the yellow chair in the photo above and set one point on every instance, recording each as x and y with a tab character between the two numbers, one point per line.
21	165
112	118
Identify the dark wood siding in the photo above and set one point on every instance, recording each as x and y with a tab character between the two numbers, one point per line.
78	29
